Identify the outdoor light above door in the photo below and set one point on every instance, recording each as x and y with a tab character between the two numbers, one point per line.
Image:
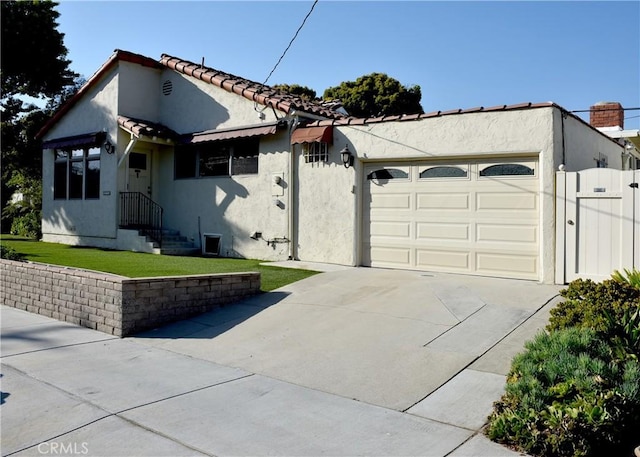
347	157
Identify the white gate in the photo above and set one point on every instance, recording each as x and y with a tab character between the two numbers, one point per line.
597	223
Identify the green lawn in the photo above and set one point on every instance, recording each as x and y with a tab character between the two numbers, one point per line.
137	265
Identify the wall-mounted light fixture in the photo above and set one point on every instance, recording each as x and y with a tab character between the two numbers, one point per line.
109	147
347	157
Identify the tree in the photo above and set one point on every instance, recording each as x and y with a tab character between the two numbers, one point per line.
303	92
375	95
33	59
32	62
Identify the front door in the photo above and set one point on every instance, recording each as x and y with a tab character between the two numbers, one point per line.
139	173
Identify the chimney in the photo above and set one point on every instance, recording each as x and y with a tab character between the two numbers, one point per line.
607	114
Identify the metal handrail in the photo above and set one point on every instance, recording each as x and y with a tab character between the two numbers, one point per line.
137	211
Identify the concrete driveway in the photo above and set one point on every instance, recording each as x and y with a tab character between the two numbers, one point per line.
354	361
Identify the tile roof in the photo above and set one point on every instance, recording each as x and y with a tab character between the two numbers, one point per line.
415	117
480	109
141	127
251	90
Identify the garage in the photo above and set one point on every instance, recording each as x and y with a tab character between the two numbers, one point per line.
478	217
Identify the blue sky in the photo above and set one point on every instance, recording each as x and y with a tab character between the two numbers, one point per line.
461	54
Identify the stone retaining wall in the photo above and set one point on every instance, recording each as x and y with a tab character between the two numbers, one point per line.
115	304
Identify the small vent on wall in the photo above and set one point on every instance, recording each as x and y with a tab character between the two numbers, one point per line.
211	244
167	87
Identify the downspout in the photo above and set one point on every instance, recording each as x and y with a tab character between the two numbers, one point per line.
293	239
127	150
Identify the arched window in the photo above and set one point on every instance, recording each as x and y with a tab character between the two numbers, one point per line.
443	172
507	169
388	173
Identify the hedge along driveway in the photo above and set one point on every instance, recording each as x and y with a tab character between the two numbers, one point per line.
139	265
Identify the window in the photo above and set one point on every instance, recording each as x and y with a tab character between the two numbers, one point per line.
388	173
315	152
507	169
218	158
76	174
443	172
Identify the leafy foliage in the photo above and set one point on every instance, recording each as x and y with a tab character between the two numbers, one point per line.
10	253
565	396
303	92
376	94
610	307
631	277
33	55
576	390
34	63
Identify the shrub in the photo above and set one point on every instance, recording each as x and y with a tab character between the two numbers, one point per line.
27	225
565	396
611	308
10	254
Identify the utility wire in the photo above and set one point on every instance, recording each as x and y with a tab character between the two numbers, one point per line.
291	42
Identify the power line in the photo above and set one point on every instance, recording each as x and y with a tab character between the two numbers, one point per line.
291	42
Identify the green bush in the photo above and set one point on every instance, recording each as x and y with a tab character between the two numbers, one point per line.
565	396
9	253
611	308
27	225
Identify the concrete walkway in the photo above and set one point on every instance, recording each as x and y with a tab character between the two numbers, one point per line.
354	361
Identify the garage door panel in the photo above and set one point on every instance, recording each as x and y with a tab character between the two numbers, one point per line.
521	266
391	229
527	234
505	201
442	201
436	231
387	256
391	201
436	259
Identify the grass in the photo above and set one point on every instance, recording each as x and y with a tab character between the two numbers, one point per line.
137	265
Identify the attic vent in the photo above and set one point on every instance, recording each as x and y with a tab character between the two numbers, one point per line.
211	244
167	87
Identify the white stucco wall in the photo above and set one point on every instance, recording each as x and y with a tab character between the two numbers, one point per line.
326	208
584	145
233	207
194	106
139	91
85	221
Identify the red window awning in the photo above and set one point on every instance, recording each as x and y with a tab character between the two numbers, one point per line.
312	135
217	135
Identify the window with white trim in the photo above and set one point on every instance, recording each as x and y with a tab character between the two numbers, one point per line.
315	152
76	174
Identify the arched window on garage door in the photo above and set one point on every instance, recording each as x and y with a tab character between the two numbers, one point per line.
388	173
507	169
443	171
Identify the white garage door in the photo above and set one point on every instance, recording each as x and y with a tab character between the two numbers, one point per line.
473	217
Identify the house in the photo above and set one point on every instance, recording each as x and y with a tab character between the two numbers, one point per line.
239	169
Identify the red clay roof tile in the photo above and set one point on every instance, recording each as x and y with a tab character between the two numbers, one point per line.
251	90
147	128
